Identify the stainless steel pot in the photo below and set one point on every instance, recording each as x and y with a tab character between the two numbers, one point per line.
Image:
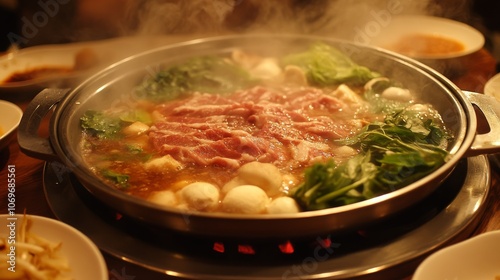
100	90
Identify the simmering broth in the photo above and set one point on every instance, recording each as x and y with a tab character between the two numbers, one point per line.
246	133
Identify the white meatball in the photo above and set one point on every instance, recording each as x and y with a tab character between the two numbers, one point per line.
244	59
294	75
246	199
200	196
236	181
264	175
283	205
397	94
166	198
419	108
267	68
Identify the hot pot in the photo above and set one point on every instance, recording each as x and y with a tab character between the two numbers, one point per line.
100	90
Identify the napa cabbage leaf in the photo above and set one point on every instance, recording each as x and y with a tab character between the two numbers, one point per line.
325	65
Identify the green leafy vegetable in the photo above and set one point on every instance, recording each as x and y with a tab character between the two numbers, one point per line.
325	65
127	153
209	74
394	153
120	179
100	124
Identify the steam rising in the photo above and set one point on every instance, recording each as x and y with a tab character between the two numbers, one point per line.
340	18
181	20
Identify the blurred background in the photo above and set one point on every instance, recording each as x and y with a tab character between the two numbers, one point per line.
28	23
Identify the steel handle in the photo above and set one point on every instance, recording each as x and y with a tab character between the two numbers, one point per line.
29	141
489	142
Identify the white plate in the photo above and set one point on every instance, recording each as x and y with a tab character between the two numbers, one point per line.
398	27
10	116
84	258
42	57
96	55
492	87
477	258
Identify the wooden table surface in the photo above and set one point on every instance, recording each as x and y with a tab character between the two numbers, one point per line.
29	193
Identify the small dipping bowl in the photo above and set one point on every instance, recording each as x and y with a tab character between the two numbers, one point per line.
440	43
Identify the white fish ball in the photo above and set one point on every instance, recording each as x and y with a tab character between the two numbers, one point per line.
246	199
166	198
294	75
267	68
397	94
264	175
283	205
200	196
419	108
231	184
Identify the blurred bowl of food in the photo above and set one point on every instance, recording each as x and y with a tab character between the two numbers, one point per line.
29	70
438	42
475	258
10	117
43	248
492	87
34	68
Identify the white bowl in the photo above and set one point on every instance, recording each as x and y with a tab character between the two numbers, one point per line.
477	258
10	116
399	27
84	258
492	87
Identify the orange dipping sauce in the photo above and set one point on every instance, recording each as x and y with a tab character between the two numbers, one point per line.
426	45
